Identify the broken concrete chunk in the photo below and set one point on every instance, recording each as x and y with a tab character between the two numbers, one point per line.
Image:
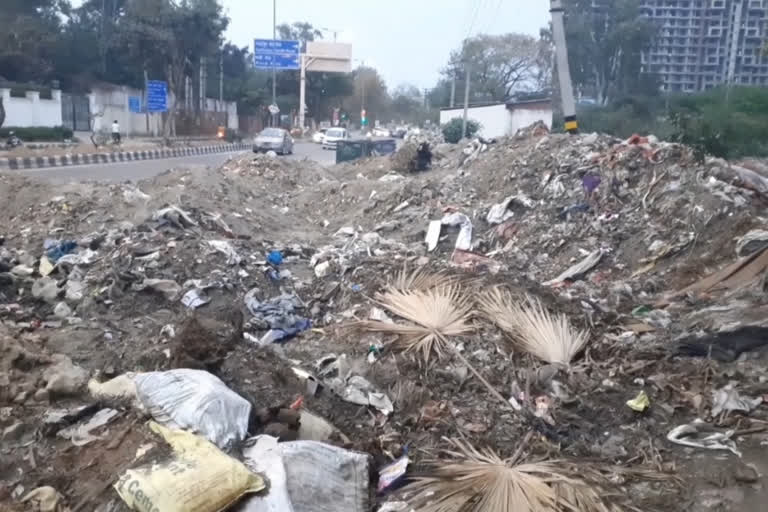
64	377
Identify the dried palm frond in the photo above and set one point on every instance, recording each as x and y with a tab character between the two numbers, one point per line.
475	480
435	314
419	279
535	330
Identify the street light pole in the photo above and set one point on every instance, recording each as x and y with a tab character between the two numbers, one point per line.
466	101
274	71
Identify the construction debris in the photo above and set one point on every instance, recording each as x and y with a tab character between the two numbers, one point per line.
571	278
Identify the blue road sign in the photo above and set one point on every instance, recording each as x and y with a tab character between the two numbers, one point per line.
134	104
157	96
275	54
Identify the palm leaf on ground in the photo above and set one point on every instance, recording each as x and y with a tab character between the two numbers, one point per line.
475	480
535	330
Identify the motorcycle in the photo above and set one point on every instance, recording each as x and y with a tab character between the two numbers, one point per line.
13	141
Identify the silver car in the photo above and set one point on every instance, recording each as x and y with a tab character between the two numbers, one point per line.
274	139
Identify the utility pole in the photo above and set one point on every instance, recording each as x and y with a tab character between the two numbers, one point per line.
221	79
453	90
563	71
466	101
274	71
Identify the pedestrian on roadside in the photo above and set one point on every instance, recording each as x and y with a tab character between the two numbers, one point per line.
116	132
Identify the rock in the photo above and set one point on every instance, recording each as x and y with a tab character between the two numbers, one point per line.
746	474
21	397
64	377
62	310
41	395
13	432
46	289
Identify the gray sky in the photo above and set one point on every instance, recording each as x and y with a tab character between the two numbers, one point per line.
405	40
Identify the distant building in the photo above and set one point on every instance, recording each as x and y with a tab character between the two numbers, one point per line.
705	43
500	119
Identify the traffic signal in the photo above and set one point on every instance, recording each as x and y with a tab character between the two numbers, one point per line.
363	119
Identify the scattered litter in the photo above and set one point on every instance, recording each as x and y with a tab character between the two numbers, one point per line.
275	258
80	433
464	240
280	315
640	403
728	399
195	298
503	211
700	434
45	499
336	374
226	249
392	475
168	288
579	269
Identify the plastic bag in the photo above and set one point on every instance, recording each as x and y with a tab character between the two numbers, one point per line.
318	477
197	477
264	456
197	401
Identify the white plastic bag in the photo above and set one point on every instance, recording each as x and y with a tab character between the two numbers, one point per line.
197	401
264	457
318	477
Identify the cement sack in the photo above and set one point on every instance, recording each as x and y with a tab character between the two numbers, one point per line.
198	476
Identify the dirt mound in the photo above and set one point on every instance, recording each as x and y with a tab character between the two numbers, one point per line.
260	272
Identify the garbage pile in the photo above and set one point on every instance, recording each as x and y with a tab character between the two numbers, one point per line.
580	318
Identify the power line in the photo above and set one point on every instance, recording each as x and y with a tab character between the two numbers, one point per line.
492	21
478	6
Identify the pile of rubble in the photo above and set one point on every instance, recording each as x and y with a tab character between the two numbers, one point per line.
545	297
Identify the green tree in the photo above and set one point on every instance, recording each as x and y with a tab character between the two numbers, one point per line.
605	43
28	38
452	129
370	92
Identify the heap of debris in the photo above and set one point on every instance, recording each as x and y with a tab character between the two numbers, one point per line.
582	317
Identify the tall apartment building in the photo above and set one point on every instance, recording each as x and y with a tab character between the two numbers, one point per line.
705	43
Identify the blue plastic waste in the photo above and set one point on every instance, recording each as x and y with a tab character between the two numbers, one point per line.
58	249
275	258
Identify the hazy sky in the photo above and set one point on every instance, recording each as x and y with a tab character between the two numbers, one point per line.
406	40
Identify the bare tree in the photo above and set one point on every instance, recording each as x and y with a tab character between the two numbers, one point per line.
501	64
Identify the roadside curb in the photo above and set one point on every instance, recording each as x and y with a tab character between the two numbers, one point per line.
19	163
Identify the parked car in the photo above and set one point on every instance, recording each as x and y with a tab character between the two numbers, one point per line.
273	139
400	132
319	135
381	132
333	136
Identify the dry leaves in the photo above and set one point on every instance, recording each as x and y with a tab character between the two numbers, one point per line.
480	481
535	330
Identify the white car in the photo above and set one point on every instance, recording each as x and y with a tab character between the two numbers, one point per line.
381	132
333	136
319	135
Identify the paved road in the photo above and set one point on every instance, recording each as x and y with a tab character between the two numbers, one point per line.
133	171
